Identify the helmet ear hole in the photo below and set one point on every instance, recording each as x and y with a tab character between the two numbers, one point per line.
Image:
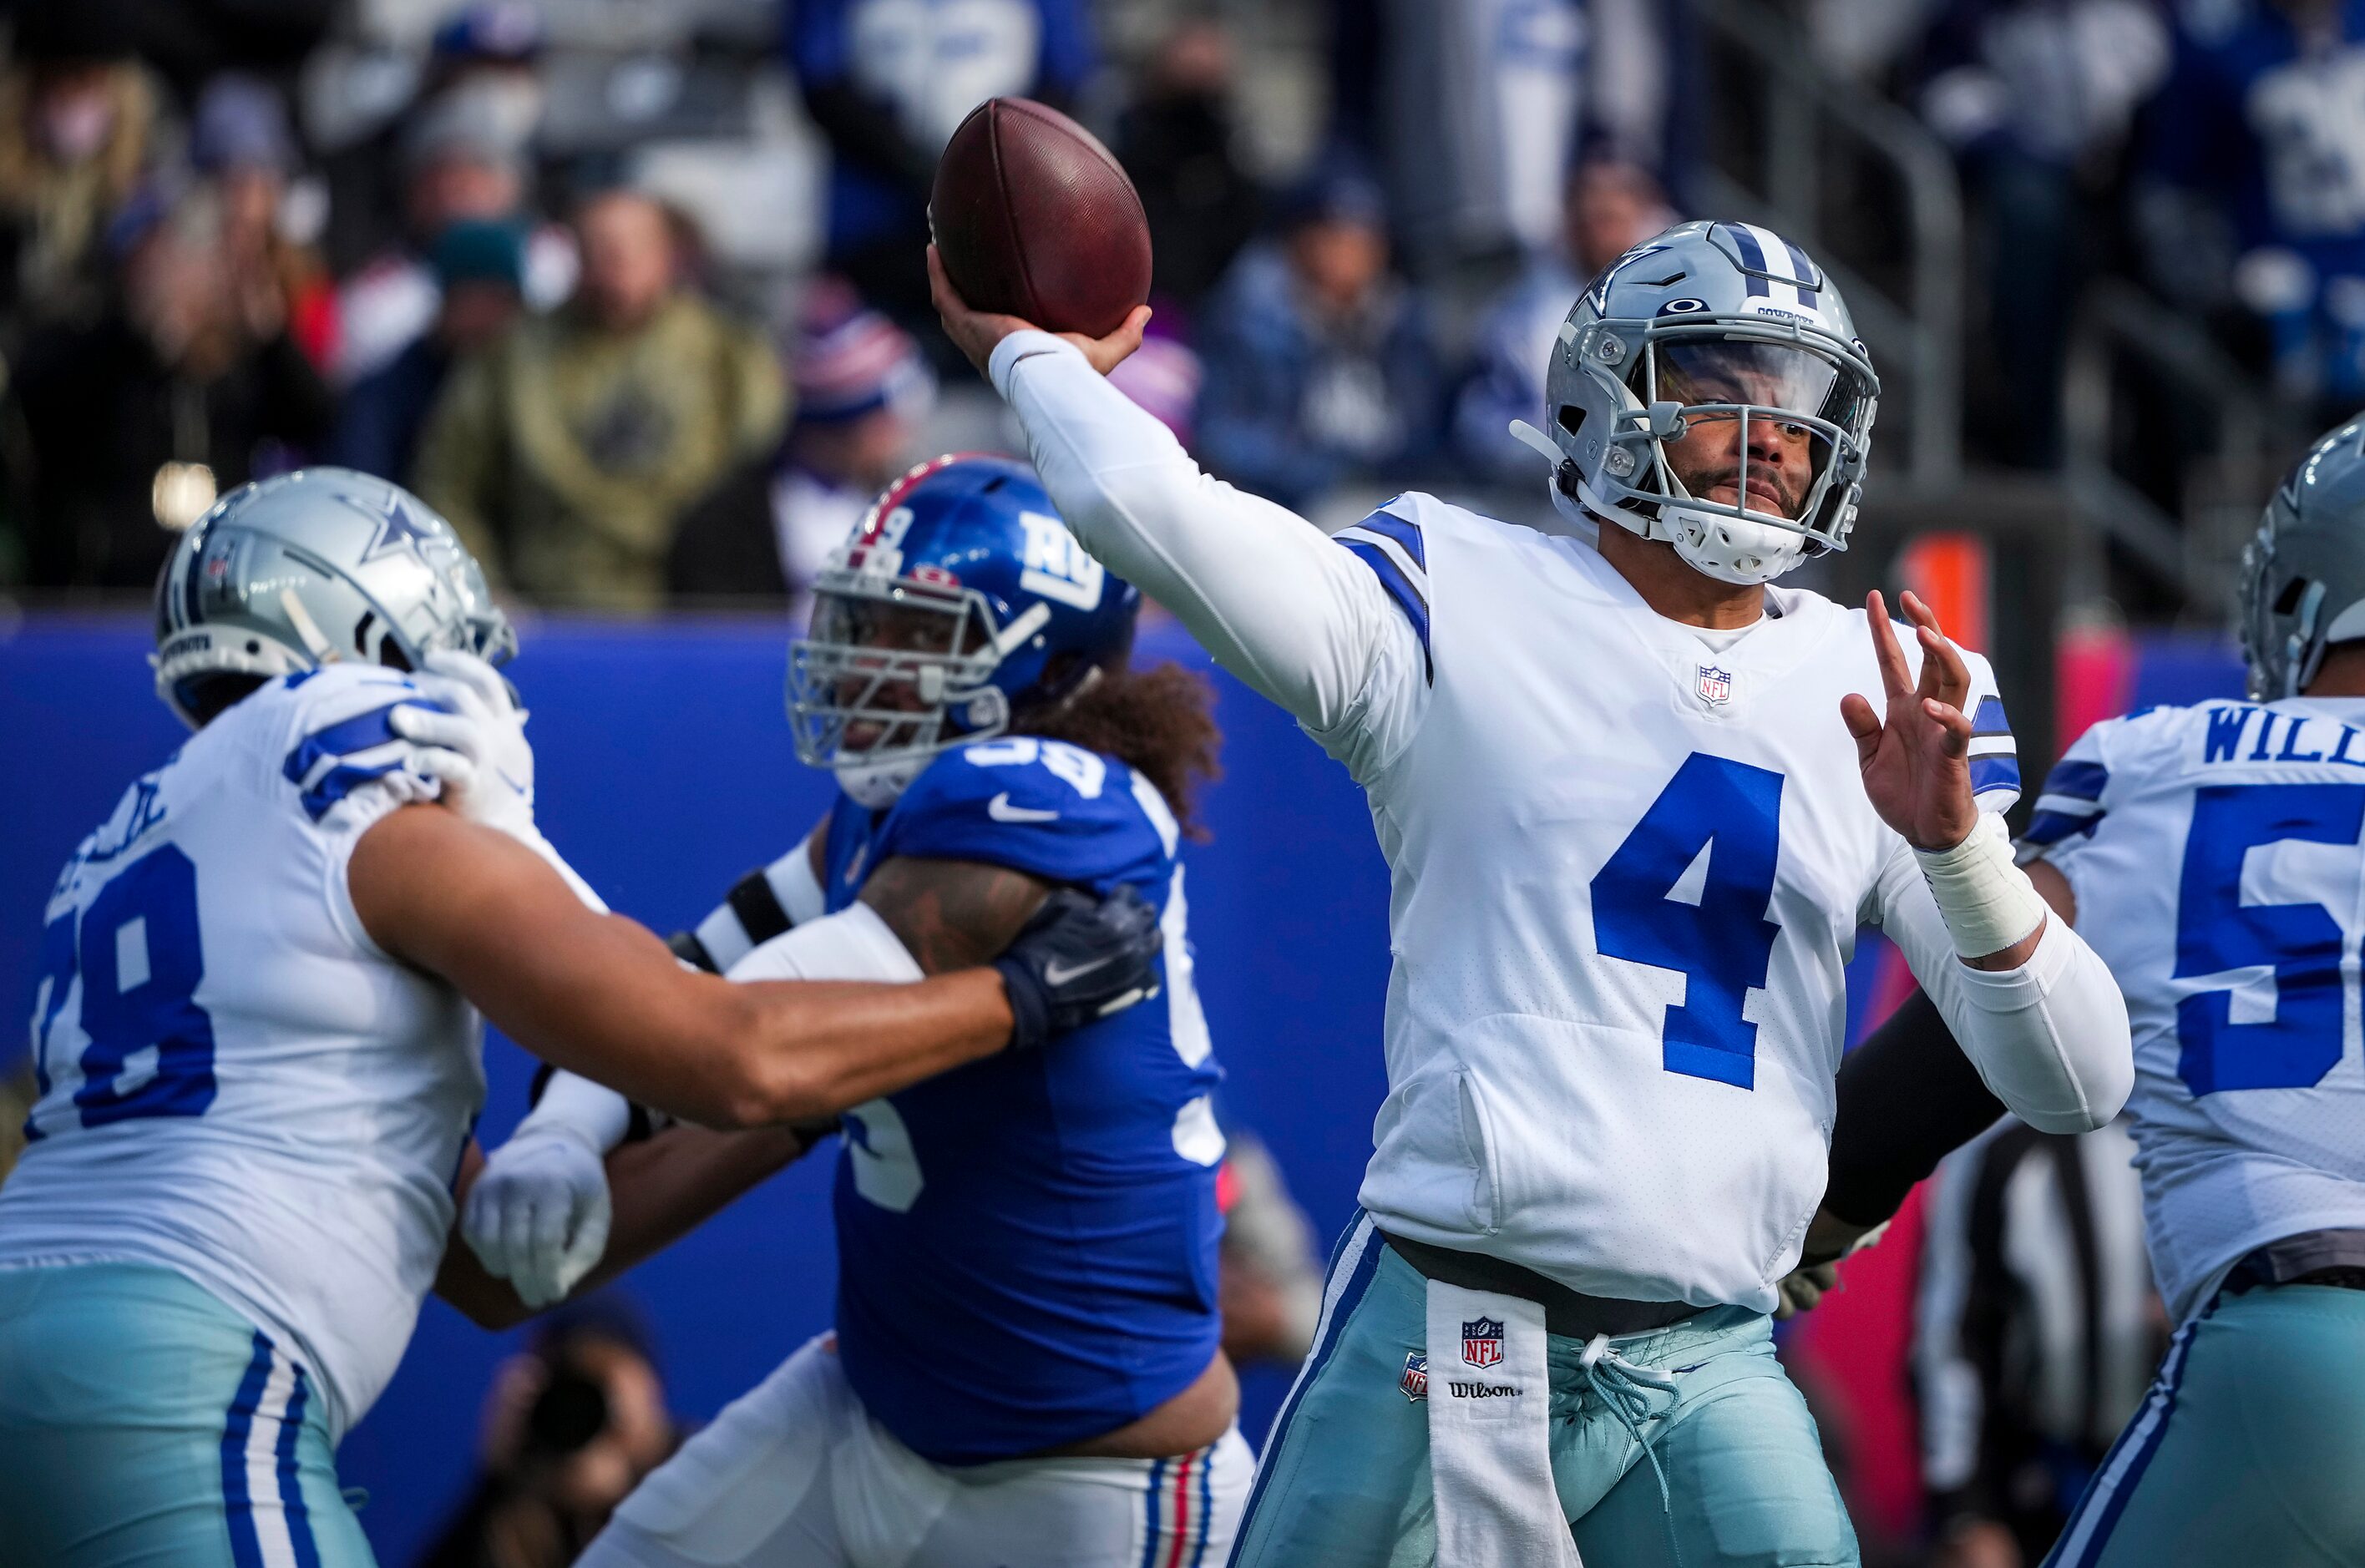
2287	600
1571	418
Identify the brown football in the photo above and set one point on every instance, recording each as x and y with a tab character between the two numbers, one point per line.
1034	218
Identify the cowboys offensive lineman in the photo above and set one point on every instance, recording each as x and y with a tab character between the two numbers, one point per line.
257	1045
1631	843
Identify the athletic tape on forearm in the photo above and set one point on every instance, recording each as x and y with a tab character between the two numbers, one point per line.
592	1109
1988	902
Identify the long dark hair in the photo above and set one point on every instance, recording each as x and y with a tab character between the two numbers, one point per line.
1159	721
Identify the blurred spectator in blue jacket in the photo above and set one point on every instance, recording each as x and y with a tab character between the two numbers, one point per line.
1610	207
2257	153
888	81
1320	362
479	269
2038	98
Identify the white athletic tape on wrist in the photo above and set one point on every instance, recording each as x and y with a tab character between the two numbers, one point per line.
1988	902
580	1105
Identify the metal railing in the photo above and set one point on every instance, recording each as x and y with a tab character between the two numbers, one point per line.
1916	340
2222	482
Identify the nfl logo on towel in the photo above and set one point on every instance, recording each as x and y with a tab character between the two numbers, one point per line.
1714	685
1482	1341
1415	1382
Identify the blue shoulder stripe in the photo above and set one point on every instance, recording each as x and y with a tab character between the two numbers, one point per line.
1409	599
2000	771
332	763
2047	828
1405	533
1989	718
2079	780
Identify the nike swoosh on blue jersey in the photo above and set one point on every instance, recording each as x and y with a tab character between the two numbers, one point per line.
1002	810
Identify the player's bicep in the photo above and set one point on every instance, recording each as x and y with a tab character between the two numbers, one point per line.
952	914
2053	887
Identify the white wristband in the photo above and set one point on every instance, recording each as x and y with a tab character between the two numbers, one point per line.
578	1105
1988	902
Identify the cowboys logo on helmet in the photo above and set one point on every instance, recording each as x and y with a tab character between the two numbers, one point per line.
960	604
2303	582
1708	390
313	567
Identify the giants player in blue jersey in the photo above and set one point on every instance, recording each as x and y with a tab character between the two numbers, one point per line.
1027	1365
2217	855
257	1041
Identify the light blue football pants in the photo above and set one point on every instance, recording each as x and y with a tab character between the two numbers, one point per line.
2249	1450
145	1425
1345	1477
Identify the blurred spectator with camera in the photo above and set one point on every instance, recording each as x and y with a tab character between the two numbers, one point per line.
1609	208
2037	99
566	452
81	126
187	387
1179	141
1320	361
479	269
862	391
887	81
571	1425
2255	175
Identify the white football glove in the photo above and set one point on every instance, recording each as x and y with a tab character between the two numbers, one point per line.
538	1215
478	750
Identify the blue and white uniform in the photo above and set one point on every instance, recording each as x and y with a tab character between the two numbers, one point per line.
1629	859
2217	853
240	1159
1026	1247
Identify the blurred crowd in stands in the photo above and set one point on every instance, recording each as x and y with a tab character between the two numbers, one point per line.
635	295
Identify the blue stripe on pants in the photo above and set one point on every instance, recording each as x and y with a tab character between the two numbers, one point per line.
291	1485
2123	1468
1206	1503
245	1550
1150	1514
1359	1254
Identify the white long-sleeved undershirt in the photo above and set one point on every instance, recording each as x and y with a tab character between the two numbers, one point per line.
1306	624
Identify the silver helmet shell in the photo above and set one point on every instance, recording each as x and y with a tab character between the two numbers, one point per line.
2302	578
1691	325
313	567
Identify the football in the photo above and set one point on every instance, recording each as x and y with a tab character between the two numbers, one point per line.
1034	218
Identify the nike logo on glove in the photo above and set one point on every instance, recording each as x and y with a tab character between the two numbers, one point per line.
1002	810
1055	974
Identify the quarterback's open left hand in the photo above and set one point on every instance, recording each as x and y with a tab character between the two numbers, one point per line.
477	748
539	1214
1916	765
1829	1239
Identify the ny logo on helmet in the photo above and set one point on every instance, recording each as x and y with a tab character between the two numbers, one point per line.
1056	567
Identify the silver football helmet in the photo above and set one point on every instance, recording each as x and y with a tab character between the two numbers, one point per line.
1712	324
2303	582
312	568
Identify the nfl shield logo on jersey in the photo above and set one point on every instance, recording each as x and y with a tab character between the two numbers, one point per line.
1714	685
1413	1385
1482	1341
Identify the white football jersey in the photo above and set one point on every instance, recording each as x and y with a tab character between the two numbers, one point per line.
2216	858
1629	859
234	1082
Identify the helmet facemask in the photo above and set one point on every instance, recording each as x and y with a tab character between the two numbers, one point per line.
891	666
1740	440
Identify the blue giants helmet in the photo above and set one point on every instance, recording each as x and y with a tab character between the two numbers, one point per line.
960	604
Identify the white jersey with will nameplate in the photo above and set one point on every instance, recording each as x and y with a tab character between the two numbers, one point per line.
1629	859
234	1082
2218	856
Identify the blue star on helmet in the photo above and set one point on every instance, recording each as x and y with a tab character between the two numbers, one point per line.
397	528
